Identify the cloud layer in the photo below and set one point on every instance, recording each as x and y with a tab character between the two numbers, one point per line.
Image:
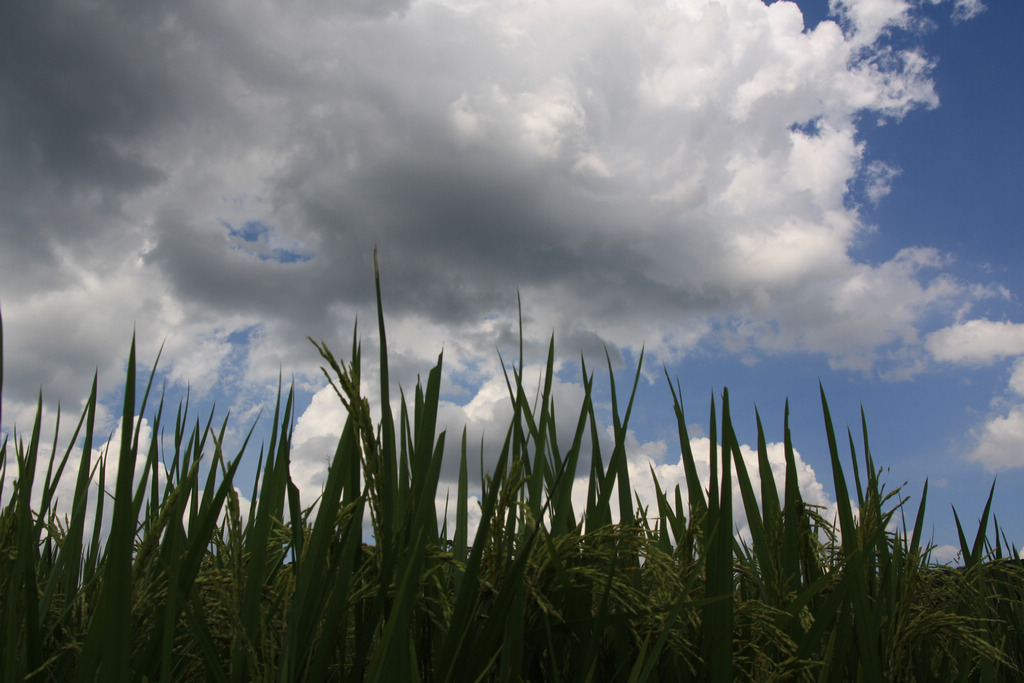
662	173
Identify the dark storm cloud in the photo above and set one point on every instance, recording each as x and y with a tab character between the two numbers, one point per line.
91	94
374	8
461	229
78	80
85	88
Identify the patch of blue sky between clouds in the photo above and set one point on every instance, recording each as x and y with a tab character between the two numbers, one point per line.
810	127
263	241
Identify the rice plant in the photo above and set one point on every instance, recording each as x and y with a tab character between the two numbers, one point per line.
156	574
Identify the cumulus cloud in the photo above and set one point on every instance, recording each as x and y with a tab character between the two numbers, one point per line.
1017	377
976	341
1001	441
945	554
671	173
869	18
645	458
486	418
64	491
1000	438
670	474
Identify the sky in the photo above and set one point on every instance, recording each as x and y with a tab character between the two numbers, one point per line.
762	197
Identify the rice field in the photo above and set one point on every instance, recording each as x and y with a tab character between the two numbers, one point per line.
157	574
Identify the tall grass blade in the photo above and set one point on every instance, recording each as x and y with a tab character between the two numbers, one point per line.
867	644
383	472
695	494
108	646
22	592
761	546
719	614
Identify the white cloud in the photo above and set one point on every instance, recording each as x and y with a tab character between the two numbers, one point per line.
976	341
486	416
965	9
857	311
64	491
1017	377
879	177
550	118
324	416
869	18
945	554
671	474
1001	441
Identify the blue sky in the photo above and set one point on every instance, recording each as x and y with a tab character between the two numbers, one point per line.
764	197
